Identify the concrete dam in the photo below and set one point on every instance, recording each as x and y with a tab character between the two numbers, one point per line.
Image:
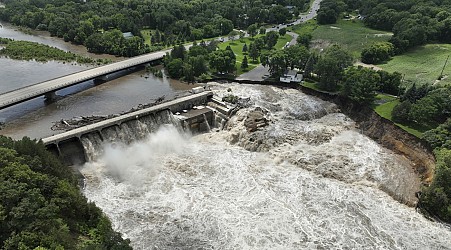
196	113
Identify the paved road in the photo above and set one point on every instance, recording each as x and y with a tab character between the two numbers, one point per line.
26	93
260	73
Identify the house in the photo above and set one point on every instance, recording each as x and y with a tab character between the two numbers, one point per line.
291	76
127	35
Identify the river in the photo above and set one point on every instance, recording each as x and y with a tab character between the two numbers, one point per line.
35	118
309	180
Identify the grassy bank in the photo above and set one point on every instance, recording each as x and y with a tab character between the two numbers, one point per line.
422	64
350	34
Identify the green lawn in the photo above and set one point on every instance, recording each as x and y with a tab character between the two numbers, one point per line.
350	34
237	47
385	110
146	34
422	64
305	28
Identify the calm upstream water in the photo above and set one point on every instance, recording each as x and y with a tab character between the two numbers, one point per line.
309	180
35	118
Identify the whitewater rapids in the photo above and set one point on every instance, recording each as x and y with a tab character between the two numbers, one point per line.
308	180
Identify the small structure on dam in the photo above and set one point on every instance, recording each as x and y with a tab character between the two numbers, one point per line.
196	113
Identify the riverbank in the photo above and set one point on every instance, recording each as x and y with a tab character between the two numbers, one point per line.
26	50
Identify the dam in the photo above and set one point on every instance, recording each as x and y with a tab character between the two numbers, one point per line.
193	113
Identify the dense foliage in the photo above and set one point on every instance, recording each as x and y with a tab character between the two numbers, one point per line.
360	84
413	22
24	50
42	206
377	52
330	67
424	105
94	22
436	198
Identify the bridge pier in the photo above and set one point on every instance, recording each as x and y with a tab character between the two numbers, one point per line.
51	96
101	79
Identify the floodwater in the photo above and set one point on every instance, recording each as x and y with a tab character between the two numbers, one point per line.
308	180
35	118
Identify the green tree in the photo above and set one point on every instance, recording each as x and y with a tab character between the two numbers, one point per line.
277	63
175	68
252	29
223	61
42	206
377	52
330	67
244	63
304	39
262	31
436	198
439	137
360	85
270	39
253	52
282	31
400	112
233	35
244	48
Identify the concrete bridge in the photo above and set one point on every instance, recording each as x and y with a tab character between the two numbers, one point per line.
48	88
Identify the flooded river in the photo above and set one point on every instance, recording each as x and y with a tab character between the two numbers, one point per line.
309	180
34	118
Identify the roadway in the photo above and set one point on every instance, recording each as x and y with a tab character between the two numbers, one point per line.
29	92
26	93
260	72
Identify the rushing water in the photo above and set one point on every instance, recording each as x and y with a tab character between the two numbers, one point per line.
35	118
308	180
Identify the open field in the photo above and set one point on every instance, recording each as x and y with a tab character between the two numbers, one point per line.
350	34
237	47
422	64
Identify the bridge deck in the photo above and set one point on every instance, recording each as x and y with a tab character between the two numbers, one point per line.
26	93
174	104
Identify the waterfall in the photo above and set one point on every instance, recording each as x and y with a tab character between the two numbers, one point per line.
207	125
126	133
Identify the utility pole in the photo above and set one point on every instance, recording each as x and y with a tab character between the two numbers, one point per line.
441	73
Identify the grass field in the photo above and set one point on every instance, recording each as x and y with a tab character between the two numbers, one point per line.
422	64
350	34
237	47
385	110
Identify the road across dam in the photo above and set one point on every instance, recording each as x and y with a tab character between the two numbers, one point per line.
69	144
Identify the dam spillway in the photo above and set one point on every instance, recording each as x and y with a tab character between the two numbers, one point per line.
74	146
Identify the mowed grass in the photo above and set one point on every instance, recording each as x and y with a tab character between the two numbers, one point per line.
146	35
350	34
237	48
385	110
422	64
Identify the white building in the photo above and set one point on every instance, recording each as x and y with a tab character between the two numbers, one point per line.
291	76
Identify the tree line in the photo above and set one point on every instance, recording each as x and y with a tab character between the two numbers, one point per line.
25	50
413	22
97	23
41	206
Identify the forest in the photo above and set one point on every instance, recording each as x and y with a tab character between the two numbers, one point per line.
41	205
99	24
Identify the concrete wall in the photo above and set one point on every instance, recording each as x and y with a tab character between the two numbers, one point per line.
68	144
